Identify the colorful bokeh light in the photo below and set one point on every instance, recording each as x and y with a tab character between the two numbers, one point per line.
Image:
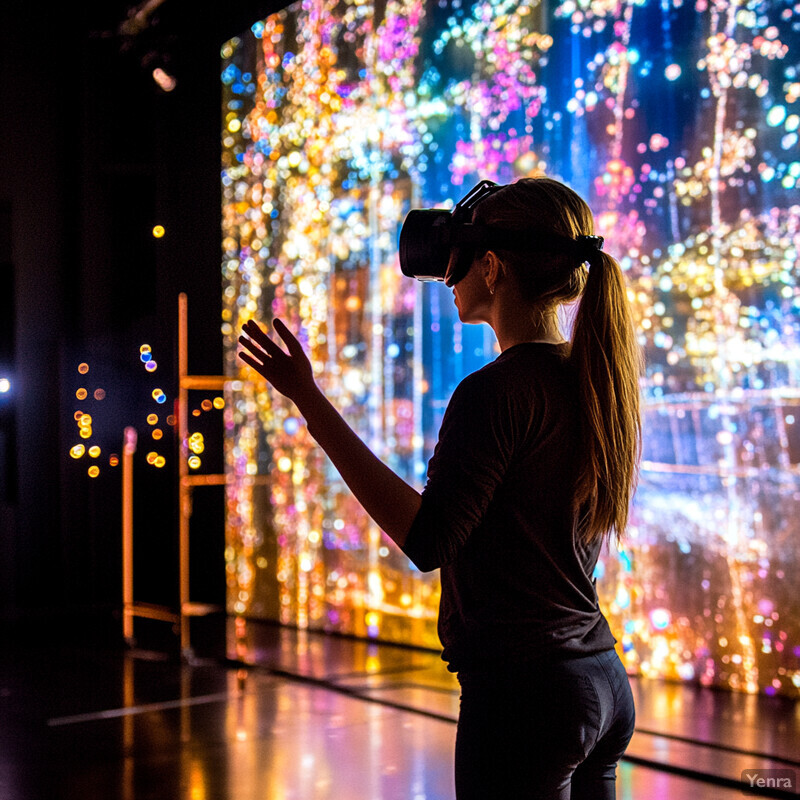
678	122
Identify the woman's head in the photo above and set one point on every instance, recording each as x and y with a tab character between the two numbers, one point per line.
545	279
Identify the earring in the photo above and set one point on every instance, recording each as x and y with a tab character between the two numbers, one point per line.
491	290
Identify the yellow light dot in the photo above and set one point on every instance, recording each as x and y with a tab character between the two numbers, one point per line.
99	394
158	231
194	462
196	443
284	464
157	394
160	461
83	368
372	618
157	433
113	460
85	421
77	451
94	451
151	457
207	405
145	348
85	433
81	394
219	402
152	419
94	471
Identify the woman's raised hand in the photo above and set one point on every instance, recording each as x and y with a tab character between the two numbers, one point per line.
290	373
388	499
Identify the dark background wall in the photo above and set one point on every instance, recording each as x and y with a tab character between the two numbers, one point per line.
93	154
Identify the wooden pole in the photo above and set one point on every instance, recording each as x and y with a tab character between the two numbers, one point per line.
184	489
128	449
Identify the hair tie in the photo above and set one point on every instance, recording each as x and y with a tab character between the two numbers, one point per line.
586	247
589	244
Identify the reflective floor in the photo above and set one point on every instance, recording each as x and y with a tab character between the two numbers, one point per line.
271	713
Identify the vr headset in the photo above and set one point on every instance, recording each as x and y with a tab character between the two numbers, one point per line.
428	236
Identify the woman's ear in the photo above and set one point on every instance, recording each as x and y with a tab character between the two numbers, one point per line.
493	269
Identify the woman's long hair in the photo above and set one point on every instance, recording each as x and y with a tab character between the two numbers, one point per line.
604	350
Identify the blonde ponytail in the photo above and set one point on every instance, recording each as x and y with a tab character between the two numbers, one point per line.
608	362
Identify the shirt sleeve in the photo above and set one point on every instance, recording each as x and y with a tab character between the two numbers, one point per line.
469	462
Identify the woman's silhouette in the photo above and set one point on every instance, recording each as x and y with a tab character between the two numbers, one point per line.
533	471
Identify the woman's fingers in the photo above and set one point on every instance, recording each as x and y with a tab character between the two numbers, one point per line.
260	344
257	334
257	351
248	359
290	373
270	349
290	340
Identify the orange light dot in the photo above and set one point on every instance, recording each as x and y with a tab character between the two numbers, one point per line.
78	415
207	405
157	433
94	471
113	460
81	394
99	394
171	420
83	368
197	412
151	457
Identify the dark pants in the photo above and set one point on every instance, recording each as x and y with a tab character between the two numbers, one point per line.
549	732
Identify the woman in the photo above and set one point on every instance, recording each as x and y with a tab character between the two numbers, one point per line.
533	472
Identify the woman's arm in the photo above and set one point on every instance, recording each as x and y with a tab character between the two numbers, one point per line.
385	496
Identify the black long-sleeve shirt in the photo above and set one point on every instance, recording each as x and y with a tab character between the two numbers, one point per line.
498	517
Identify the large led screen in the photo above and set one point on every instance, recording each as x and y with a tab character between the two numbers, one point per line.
678	121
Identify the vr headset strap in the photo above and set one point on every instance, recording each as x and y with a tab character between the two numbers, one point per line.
477	235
